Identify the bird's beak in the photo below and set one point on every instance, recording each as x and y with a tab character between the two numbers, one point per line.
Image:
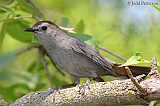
30	30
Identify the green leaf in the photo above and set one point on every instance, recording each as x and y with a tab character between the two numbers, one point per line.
6	9
3	32
4	17
79	27
4	27
64	22
135	59
87	39
21	13
2	10
156	7
7	58
16	30
28	6
32	66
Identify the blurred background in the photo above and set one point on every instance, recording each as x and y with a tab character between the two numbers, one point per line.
112	24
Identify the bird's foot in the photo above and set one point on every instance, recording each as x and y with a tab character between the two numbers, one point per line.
50	91
84	88
60	87
98	79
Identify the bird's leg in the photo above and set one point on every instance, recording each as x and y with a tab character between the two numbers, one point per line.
67	86
98	79
76	80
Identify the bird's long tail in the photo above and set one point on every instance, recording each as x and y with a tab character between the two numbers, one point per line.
136	70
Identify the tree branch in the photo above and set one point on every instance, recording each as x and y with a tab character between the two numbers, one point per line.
110	93
117	92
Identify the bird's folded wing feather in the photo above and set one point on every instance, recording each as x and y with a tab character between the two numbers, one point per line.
92	54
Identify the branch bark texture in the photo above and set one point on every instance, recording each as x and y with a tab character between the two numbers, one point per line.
117	92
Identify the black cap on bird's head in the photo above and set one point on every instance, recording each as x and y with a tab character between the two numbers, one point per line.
40	26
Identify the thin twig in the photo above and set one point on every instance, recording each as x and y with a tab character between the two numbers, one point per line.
43	62
154	67
112	53
135	82
28	48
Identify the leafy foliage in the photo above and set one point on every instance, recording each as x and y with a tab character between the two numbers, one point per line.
135	59
20	25
80	27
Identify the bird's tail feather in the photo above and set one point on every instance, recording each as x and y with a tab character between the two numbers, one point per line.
136	70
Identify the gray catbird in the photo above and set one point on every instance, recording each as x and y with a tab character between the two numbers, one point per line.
76	57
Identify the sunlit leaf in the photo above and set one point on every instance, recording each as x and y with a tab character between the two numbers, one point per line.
4	17
5	9
22	13
135	59
156	7
2	10
79	27
16	30
3	31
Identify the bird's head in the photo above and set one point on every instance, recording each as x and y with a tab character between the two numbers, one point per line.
42	28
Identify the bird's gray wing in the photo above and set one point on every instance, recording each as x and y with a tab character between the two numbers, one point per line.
92	54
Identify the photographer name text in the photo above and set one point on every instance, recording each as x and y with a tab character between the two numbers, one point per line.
140	3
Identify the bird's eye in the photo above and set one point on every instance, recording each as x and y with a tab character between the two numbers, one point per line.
44	28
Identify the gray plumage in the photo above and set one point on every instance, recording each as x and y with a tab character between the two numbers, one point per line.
70	54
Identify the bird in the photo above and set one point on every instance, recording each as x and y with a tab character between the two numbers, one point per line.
76	57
